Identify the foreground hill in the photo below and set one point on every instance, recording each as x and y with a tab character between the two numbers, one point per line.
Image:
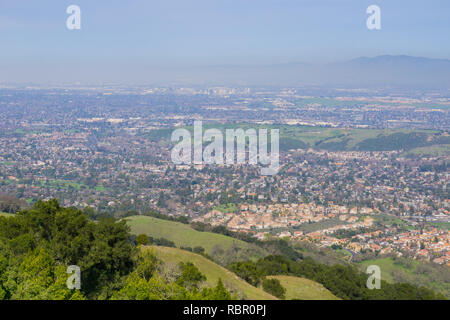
304	289
183	235
4	214
37	246
212	271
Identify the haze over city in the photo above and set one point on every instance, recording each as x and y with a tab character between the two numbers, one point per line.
198	41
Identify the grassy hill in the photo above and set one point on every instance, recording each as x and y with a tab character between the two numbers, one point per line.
304	289
387	267
435	150
212	271
4	214
183	235
337	139
430	275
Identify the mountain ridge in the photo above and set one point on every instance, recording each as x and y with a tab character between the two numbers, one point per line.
379	71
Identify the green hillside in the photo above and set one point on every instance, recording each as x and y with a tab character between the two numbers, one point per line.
337	139
304	289
4	214
435	150
183	235
434	276
212	271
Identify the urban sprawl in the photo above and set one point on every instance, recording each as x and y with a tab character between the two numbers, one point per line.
360	171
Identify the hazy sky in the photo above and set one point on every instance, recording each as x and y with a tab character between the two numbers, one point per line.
136	34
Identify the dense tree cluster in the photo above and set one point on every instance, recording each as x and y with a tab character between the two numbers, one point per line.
37	246
274	287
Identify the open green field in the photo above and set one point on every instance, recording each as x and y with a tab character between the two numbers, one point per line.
57	184
24	131
63	184
226	208
390	220
314	226
429	275
436	150
4	214
304	289
212	271
441	225
387	266
337	139
181	234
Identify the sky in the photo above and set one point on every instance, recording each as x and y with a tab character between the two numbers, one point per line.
131	37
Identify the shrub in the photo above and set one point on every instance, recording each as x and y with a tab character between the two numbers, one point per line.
274	287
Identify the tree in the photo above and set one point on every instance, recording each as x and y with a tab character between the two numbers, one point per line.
110	255
199	250
65	236
247	271
142	239
39	277
190	277
155	288
274	287
147	264
219	292
146	283
161	200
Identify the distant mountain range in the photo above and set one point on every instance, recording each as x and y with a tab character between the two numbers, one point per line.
393	71
398	71
384	71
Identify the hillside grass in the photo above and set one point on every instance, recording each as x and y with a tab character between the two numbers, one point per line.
390	220
304	289
336	139
226	208
212	271
436	150
387	267
182	234
4	214
441	225
420	273
314	226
